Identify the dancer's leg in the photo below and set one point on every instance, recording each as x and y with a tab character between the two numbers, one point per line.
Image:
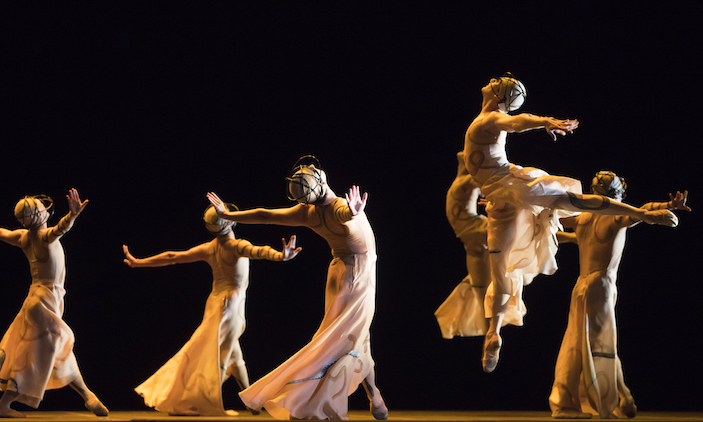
238	370
602	205
378	406
501	238
92	402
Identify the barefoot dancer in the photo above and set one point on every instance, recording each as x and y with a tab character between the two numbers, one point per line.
524	204
36	352
315	382
590	341
190	383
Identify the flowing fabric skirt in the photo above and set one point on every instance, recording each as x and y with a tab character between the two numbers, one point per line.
191	381
462	313
522	225
586	376
316	381
38	347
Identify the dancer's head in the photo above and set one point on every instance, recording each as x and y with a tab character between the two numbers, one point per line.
608	184
216	225
33	211
510	92
307	183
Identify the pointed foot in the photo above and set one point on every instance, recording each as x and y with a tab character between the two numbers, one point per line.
491	352
627	409
379	411
96	406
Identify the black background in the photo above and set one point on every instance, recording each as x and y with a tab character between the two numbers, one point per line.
146	106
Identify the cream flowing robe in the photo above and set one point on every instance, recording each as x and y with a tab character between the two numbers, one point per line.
191	381
521	199
38	345
588	367
520	207
315	382
588	374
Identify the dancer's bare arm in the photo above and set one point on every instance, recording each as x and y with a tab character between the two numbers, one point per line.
293	216
524	122
12	237
246	249
197	253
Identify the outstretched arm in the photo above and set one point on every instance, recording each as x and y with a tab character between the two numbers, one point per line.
75	206
12	237
293	216
524	122
197	253
676	202
290	251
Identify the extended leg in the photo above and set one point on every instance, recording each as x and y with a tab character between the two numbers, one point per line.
378	406
602	205
493	341
92	402
501	238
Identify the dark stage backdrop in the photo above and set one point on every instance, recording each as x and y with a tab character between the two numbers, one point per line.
146	106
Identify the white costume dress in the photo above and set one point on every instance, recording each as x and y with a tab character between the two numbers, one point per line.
521	199
314	383
191	381
522	222
38	345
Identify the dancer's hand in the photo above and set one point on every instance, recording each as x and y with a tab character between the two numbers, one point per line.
74	202
678	201
562	127
289	249
355	201
217	204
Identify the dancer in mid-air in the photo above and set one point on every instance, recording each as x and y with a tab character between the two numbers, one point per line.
524	204
589	347
190	383
314	383
463	313
36	352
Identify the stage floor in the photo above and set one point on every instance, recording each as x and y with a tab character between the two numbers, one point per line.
397	415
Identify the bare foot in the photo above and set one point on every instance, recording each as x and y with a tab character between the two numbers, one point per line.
379	410
491	350
11	413
96	406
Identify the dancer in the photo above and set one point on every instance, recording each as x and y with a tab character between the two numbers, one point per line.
462	313
590	342
315	382
524	204
36	352
190	383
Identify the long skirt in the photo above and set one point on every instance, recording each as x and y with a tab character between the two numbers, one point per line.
38	347
587	372
191	381
315	382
